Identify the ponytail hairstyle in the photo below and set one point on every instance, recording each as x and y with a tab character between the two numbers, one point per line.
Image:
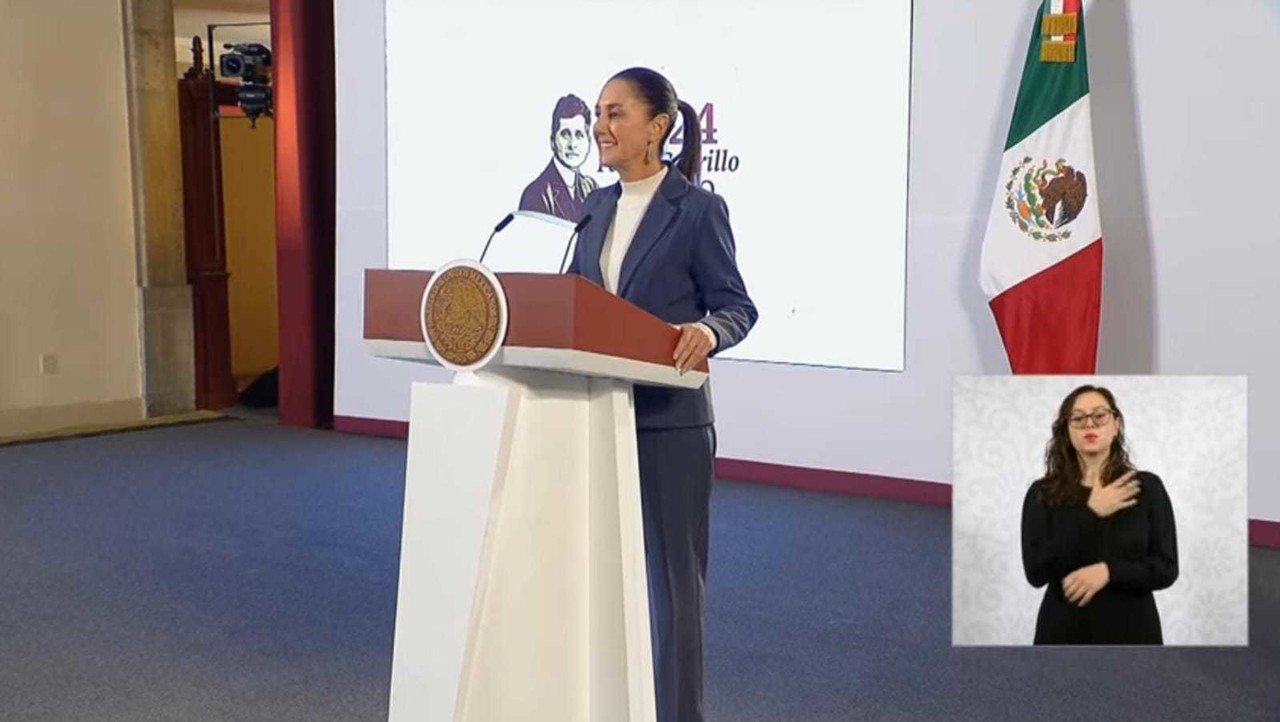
657	93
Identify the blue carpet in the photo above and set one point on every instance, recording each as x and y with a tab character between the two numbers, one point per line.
245	571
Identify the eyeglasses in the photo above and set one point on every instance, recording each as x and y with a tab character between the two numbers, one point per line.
1101	417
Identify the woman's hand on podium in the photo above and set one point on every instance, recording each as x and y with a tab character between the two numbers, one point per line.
695	344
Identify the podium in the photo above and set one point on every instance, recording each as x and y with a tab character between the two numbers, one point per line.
522	593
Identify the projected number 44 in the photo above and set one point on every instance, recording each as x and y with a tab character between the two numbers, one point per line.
714	160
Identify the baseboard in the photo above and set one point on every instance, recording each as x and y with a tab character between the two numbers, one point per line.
839	482
1262	533
371	427
41	419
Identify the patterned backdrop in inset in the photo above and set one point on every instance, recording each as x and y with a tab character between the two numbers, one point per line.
1189	430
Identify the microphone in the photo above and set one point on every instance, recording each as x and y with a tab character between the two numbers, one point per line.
576	230
496	230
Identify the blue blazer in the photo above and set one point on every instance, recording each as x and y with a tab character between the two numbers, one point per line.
680	267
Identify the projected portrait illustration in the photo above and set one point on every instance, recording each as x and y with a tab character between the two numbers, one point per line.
561	187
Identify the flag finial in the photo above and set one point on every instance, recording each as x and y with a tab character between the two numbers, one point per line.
1058	37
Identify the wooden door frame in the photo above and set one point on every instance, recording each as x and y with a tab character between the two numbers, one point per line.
204	232
302	37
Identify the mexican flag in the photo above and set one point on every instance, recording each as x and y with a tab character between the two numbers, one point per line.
1042	254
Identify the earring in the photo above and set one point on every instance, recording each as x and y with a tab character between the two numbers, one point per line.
648	152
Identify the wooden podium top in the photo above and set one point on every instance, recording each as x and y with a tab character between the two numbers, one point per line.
557	322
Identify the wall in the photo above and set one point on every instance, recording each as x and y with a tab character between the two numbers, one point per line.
249	210
67	250
364	386
1183	181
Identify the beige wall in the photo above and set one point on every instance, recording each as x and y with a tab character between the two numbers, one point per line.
249	209
67	256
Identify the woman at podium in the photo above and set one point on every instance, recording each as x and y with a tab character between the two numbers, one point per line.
663	243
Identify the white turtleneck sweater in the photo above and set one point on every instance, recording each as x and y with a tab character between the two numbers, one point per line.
634	201
632	204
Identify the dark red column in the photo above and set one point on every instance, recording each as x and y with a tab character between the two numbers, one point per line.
302	56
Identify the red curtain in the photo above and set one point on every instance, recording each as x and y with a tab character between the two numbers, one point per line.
303	81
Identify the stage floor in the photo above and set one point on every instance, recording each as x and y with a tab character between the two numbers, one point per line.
246	571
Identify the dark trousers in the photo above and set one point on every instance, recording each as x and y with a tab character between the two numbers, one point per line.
675	495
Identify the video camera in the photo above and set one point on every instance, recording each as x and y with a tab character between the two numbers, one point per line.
251	62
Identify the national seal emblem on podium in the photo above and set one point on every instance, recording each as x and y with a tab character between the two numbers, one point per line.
464	315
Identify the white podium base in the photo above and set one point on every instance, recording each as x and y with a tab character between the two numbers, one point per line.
522	580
